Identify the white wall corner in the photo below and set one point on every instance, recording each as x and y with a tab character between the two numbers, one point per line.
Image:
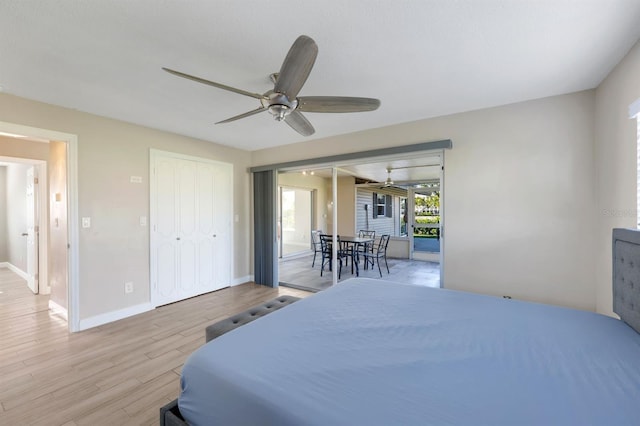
58	310
242	280
112	316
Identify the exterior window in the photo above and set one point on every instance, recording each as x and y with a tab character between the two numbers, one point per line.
382	205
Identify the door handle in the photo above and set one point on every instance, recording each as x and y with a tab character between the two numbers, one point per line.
178	238
25	234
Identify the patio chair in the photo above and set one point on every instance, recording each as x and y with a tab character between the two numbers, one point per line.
366	233
363	233
380	251
317	246
327	253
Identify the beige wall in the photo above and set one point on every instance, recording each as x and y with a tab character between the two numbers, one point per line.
116	248
346	205
20	148
519	194
616	165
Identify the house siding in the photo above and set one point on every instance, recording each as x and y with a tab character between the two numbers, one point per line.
364	218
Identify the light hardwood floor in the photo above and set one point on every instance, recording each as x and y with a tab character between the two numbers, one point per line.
116	374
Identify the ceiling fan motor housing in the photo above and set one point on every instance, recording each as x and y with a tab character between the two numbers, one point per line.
278	105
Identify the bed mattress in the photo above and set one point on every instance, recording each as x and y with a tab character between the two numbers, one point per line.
380	353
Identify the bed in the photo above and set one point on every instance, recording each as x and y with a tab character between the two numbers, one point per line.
373	352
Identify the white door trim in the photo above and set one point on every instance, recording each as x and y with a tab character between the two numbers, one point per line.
33	224
73	288
43	238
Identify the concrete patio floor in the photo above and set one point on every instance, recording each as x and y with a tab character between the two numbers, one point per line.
297	272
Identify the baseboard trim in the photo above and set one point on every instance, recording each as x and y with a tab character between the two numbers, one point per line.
15	269
58	310
241	280
112	316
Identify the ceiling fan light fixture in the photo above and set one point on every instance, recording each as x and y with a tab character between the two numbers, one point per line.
279	112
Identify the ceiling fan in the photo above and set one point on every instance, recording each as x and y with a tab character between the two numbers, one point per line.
389	181
283	101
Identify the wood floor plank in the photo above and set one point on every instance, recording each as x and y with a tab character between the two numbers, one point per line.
118	373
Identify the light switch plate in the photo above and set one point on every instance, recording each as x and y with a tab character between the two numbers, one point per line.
86	222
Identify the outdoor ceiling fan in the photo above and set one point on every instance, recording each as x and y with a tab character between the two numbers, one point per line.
386	184
389	181
283	101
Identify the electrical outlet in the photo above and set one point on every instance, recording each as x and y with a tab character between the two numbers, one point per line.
128	287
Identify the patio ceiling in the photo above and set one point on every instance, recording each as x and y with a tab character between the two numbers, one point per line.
417	169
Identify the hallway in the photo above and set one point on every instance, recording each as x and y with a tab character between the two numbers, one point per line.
16	300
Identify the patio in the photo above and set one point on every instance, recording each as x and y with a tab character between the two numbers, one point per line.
297	272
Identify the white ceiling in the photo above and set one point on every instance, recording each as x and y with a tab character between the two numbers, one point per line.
421	58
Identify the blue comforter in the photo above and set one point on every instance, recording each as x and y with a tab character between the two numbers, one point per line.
369	352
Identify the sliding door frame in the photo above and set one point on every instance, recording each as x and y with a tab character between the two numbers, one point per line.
265	246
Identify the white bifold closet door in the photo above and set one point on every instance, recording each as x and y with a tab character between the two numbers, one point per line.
191	227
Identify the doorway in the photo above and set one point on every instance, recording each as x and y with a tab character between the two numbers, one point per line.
24	193
378	197
384	167
425	229
58	256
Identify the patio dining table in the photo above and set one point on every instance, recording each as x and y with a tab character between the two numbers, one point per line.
353	243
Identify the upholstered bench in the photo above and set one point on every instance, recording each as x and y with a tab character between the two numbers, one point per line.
170	414
251	314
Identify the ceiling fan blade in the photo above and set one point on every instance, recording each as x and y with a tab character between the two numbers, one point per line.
296	67
214	84
299	123
246	114
336	104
